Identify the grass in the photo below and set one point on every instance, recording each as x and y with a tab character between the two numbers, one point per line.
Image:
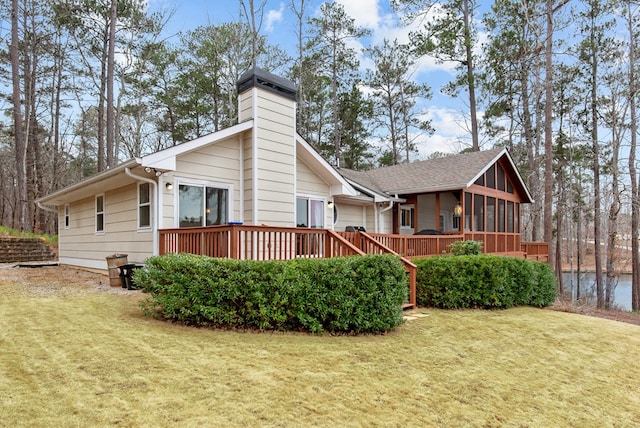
7	231
92	359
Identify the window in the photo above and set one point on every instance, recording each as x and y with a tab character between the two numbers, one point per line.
201	205
491	177
501	178
67	217
100	214
144	206
491	214
309	213
509	186
501	217
510	224
407	214
467	210
478	213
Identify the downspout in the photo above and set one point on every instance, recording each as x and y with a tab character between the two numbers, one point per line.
154	222
384	210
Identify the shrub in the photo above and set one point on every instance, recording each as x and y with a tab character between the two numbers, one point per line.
466	248
483	281
346	294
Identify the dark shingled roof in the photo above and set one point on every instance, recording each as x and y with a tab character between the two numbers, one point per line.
433	175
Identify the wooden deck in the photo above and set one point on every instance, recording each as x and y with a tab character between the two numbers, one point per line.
285	243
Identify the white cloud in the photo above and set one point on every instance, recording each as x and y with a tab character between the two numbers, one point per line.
274	16
364	12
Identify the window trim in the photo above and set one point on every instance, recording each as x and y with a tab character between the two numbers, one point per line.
66	215
100	213
412	216
178	181
146	204
315	198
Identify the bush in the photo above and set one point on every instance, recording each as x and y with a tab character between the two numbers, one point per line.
466	248
346	294
483	281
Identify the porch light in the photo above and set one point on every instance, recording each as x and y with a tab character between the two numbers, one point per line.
169	186
330	204
457	210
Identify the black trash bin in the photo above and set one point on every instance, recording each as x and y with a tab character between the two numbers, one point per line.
126	276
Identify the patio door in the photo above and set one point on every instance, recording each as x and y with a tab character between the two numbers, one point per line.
202	205
310	213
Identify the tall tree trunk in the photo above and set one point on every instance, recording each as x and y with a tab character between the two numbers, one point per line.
548	133
614	209
595	144
470	77
20	141
635	202
110	142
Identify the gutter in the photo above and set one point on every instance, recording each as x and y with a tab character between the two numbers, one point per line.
46	208
154	222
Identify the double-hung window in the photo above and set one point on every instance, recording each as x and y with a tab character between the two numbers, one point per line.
309	212
100	214
67	217
202	205
144	206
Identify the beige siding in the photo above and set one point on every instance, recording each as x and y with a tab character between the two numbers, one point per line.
351	215
245	104
426	212
386	222
81	245
308	182
276	154
216	163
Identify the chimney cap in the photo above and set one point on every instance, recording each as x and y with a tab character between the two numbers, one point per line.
259	78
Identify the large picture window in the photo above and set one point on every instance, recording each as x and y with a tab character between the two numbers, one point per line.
309	213
201	205
144	206
100	214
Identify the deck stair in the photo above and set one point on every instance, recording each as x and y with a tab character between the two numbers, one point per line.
15	250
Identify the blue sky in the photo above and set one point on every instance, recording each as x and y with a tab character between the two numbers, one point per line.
446	114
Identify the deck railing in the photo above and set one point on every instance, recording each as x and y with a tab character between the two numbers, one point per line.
271	243
430	245
536	250
284	243
255	242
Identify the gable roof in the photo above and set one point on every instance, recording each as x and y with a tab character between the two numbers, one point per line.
436	175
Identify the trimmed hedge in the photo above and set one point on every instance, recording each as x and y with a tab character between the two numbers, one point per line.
362	294
483	281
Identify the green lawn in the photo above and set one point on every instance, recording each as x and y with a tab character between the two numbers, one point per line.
92	359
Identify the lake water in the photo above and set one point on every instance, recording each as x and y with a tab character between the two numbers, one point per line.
622	293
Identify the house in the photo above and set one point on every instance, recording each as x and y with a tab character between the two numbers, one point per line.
260	173
476	194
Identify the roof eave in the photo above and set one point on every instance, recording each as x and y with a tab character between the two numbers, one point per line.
104	175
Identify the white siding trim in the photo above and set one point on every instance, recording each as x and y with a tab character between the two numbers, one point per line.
254	136
241	177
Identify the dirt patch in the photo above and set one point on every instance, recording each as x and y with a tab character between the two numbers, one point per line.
55	281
